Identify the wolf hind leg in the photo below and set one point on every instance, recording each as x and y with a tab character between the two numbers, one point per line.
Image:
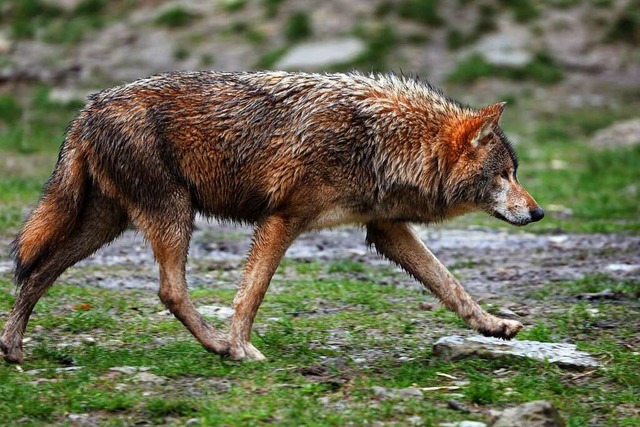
398	242
169	233
102	220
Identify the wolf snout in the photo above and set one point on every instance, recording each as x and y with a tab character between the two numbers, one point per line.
537	214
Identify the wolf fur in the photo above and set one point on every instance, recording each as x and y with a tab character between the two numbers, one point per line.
288	152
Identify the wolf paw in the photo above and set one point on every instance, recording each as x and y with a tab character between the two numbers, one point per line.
245	351
501	328
11	355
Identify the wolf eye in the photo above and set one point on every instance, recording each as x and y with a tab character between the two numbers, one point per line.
504	175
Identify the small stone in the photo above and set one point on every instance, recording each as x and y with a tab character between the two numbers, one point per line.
605	294
219	312
415	420
411	392
88	340
559	239
148	377
457	406
397	393
129	370
324	400
74	418
426	306
624	268
68	369
539	413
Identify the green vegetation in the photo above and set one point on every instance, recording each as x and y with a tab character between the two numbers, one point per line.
37	126
175	17
315	327
233	6
269	59
542	69
523	10
207	60
25	17
424	11
30	19
626	27
181	53
486	20
90	7
298	26
10	110
272	7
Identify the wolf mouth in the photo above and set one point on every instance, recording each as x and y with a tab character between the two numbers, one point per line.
498	215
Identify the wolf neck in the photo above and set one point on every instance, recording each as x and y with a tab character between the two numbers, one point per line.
407	119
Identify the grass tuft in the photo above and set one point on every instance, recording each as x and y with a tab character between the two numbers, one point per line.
298	27
175	17
541	69
423	11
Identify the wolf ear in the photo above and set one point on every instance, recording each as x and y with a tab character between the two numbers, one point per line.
482	125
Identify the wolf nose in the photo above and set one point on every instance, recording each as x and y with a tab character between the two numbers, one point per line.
537	214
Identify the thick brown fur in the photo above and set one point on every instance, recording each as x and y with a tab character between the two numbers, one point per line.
288	152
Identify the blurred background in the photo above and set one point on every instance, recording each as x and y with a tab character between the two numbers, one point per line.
569	70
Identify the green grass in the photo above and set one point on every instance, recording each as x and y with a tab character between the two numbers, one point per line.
541	69
523	10
37	19
175	17
233	6
272	7
298	27
319	319
423	11
626	27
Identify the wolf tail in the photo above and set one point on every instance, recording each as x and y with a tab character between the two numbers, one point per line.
56	214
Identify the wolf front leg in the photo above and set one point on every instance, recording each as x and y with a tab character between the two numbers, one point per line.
399	243
270	242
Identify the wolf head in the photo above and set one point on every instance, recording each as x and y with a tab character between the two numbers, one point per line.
483	168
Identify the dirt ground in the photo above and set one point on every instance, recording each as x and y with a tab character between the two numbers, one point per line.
490	263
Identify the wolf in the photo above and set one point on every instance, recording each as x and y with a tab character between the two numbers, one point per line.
287	152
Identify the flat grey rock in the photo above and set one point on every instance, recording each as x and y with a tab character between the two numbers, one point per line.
315	55
565	355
